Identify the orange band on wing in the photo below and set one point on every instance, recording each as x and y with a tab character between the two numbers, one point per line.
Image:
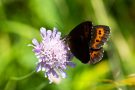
100	32
96	55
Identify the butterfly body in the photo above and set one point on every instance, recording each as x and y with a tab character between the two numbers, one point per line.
86	41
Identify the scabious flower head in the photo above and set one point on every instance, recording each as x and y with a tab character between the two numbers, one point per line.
53	54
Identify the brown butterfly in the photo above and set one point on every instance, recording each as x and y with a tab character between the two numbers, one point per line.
86	41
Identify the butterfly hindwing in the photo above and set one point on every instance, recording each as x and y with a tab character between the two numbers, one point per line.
96	55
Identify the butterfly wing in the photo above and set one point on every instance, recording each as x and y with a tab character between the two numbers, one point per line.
86	41
96	55
99	36
78	40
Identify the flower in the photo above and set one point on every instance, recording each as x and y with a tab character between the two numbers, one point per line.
53	54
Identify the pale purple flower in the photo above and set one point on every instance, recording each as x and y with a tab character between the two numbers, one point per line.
53	54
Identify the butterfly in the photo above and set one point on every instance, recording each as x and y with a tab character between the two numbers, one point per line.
86	41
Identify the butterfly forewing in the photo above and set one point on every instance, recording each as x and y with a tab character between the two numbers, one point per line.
99	36
79	41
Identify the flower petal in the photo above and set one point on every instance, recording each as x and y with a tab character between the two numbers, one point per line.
43	32
58	35
35	42
63	74
37	50
70	64
38	67
54	73
54	32
49	33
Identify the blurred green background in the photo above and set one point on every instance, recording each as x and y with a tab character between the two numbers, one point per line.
20	21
